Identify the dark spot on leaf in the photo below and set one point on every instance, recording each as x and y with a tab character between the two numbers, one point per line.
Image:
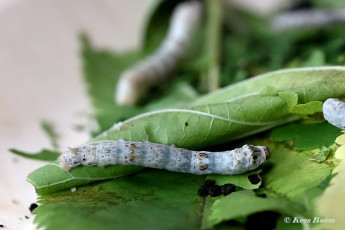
227	189
186	124
262	220
203	190
214	190
209	182
33	206
254	179
263	195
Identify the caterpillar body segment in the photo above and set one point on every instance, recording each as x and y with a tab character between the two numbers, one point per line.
170	158
156	69
334	112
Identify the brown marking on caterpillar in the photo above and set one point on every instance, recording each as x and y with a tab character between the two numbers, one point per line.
131	157
132	146
202	155
73	150
202	166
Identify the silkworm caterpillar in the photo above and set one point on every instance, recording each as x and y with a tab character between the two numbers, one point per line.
171	158
156	68
334	112
308	19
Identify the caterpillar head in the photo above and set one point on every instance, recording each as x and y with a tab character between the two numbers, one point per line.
85	155
69	159
258	154
251	157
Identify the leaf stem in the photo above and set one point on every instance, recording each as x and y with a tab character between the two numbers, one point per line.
211	80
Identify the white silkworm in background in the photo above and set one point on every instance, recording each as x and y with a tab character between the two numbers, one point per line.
171	158
308	19
334	112
155	69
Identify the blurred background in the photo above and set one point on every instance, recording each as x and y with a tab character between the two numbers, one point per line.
41	79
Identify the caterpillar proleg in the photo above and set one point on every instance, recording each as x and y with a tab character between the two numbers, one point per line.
170	158
155	69
334	112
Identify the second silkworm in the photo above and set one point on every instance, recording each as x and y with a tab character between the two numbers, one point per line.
156	68
334	112
171	158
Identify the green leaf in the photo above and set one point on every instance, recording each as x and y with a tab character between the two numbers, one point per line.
316	58
153	199
244	203
43	155
214	14
51	178
309	108
154	196
101	71
310	84
207	125
213	124
292	172
49	130
323	154
238	180
307	136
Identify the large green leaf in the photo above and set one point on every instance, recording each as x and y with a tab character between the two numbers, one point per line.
43	155
311	84
208	125
307	136
149	200
156	199
50	178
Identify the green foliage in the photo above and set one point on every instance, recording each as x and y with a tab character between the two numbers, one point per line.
43	155
310	84
241	180
160	199
152	200
49	130
102	70
238	45
223	209
51	178
309	108
307	136
323	154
